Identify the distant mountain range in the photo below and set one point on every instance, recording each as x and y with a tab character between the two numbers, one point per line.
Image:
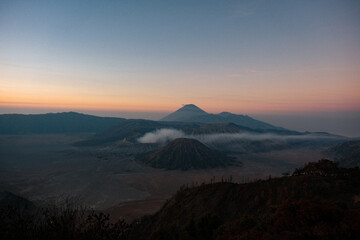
131	130
73	122
190	120
192	113
67	122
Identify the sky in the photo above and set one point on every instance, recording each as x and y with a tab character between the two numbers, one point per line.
260	57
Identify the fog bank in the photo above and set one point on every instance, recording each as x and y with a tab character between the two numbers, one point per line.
164	135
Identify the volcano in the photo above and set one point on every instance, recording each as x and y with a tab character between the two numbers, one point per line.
185	113
184	154
194	114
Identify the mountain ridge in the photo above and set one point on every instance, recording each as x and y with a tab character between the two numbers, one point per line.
192	113
65	122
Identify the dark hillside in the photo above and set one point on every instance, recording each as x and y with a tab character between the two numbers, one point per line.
220	210
10	199
129	130
320	201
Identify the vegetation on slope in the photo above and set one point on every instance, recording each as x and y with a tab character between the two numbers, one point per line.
64	220
252	211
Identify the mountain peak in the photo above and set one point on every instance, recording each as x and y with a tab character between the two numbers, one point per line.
188	111
191	107
192	113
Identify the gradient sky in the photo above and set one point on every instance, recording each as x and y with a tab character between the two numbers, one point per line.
257	56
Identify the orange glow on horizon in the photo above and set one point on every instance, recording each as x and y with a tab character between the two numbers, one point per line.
260	93
72	105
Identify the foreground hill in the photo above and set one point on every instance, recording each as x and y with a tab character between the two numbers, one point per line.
321	204
192	113
67	122
347	153
319	201
184	154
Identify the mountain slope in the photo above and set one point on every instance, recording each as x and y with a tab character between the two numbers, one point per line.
185	113
307	206
130	130
67	122
192	113
246	121
211	128
184	154
347	153
227	137
10	199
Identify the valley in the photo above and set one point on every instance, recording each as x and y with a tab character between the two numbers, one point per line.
43	167
132	166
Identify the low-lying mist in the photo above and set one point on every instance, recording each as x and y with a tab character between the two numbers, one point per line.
164	135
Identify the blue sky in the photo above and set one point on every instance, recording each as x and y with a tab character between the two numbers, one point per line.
251	57
141	36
